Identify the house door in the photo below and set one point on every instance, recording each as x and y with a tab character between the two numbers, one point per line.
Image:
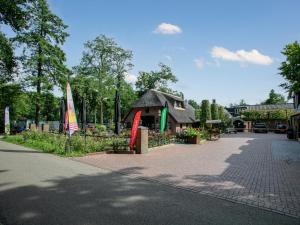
239	125
148	121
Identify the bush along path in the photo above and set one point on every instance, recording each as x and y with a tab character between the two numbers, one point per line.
56	143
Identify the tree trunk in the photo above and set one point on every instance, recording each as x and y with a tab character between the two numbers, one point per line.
95	117
101	112
39	79
38	90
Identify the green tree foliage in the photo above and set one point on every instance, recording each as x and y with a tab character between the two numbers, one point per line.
221	113
7	60
13	14
20	103
193	103
290	68
43	59
258	115
205	112
101	72
158	80
224	117
274	98
197	108
214	110
85	87
50	107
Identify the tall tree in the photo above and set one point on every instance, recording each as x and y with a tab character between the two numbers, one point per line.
242	102
50	107
197	108
205	112
121	64
43	58
156	79
274	98
13	14
214	110
106	63
7	60
290	68
221	113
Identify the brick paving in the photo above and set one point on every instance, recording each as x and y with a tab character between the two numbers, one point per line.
261	170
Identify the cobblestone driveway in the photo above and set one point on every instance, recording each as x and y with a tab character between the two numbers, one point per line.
261	170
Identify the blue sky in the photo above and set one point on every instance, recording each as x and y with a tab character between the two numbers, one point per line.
223	50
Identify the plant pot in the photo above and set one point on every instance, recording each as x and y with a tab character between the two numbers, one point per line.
194	140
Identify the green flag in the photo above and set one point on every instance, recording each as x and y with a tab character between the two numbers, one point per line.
163	120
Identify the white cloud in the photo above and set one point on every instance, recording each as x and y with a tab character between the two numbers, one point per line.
199	63
167	28
253	56
130	78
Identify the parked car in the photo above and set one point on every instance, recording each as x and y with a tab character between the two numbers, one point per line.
281	129
260	128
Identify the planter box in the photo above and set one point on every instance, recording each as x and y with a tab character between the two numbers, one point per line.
193	140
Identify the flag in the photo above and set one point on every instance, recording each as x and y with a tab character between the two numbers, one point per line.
72	121
6	120
134	129
164	119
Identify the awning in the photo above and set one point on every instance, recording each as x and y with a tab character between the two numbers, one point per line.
213	121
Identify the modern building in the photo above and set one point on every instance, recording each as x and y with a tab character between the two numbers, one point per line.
240	123
180	114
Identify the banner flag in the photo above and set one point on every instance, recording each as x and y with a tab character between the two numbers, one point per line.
6	121
163	119
134	129
72	121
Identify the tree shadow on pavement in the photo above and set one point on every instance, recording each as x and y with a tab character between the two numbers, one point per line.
111	198
251	175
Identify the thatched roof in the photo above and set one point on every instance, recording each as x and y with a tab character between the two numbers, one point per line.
154	98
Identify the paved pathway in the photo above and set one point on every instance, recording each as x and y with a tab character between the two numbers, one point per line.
42	189
261	170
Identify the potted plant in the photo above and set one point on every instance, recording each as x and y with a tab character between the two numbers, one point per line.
193	135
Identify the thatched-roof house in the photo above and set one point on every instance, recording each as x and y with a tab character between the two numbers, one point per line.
180	116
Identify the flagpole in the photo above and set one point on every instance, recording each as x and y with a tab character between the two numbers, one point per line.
67	148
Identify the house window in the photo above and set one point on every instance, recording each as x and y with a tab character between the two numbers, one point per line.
181	126
178	105
147	110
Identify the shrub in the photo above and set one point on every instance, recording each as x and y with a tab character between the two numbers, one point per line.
191	132
100	128
55	143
